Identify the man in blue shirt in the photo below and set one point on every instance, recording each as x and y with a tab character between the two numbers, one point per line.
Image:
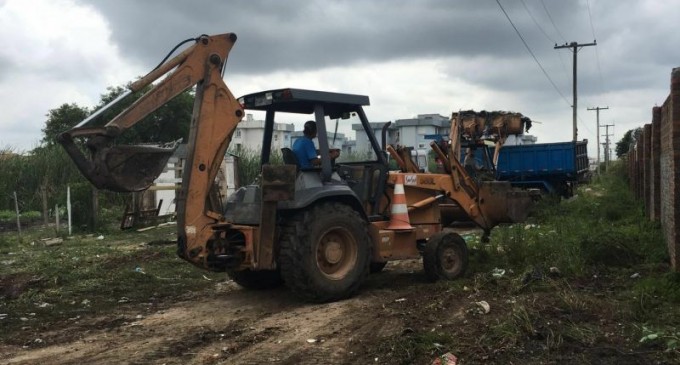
304	149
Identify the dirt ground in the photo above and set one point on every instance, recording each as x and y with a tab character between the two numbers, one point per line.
233	326
396	318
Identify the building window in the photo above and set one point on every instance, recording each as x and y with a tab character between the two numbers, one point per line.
238	133
276	137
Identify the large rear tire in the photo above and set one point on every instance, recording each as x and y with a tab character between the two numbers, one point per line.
256	280
445	257
325	252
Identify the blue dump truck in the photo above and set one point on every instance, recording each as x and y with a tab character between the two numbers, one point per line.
553	167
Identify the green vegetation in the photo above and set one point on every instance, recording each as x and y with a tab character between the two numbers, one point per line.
587	279
85	275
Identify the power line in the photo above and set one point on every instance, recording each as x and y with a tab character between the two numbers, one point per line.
538	25
553	22
551	39
532	53
597	54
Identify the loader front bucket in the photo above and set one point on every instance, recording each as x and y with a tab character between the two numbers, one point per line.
125	168
501	203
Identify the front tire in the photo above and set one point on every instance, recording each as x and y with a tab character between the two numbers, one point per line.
325	252
445	257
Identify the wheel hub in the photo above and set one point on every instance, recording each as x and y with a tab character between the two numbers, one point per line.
336	253
449	259
333	252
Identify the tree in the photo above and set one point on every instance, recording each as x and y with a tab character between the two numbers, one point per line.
60	119
168	123
623	145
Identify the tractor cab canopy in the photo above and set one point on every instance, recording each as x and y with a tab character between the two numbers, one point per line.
335	105
322	105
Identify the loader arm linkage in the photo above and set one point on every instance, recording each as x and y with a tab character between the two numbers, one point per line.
134	168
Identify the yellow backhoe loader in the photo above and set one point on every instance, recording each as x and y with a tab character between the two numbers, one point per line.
320	230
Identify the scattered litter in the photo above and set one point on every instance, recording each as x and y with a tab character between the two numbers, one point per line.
32	314
53	241
23	319
376	359
207	278
139	316
437	345
139	270
311	340
42	305
400	300
38	340
123	300
635	276
3	315
465	288
8	262
497	273
446	359
484	305
555	271
85	302
100	237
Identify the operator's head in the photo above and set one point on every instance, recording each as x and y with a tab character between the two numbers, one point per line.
310	129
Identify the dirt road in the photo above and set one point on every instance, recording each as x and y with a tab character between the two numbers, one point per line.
235	326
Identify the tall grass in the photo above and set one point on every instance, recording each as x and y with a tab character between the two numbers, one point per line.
603	226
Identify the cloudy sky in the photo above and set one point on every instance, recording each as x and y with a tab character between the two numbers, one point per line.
410	57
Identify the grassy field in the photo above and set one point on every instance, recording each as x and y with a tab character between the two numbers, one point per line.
585	280
41	285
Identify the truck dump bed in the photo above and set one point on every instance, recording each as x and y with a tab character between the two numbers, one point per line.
546	165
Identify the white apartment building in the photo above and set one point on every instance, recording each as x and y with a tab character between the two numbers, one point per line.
249	134
415	132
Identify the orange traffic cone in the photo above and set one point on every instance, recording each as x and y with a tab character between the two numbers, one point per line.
399	217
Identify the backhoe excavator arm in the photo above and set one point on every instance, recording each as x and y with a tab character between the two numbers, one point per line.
133	168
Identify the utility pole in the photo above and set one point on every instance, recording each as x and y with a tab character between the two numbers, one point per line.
597	109
575	48
607	152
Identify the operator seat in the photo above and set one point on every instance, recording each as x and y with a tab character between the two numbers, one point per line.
289	157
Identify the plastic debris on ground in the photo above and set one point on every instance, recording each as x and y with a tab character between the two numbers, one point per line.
497	273
446	359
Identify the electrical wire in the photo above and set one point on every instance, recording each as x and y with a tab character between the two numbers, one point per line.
553	22
551	39
532	54
597	54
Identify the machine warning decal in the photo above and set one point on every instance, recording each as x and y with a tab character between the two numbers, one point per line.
410	180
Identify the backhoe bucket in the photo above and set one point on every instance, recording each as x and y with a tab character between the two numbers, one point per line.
125	168
131	168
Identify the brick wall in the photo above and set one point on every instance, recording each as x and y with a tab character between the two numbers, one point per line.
646	166
654	193
669	166
654	168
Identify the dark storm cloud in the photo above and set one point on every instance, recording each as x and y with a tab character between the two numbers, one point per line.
304	35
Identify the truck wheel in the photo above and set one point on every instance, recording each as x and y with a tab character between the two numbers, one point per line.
445	257
256	280
325	252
